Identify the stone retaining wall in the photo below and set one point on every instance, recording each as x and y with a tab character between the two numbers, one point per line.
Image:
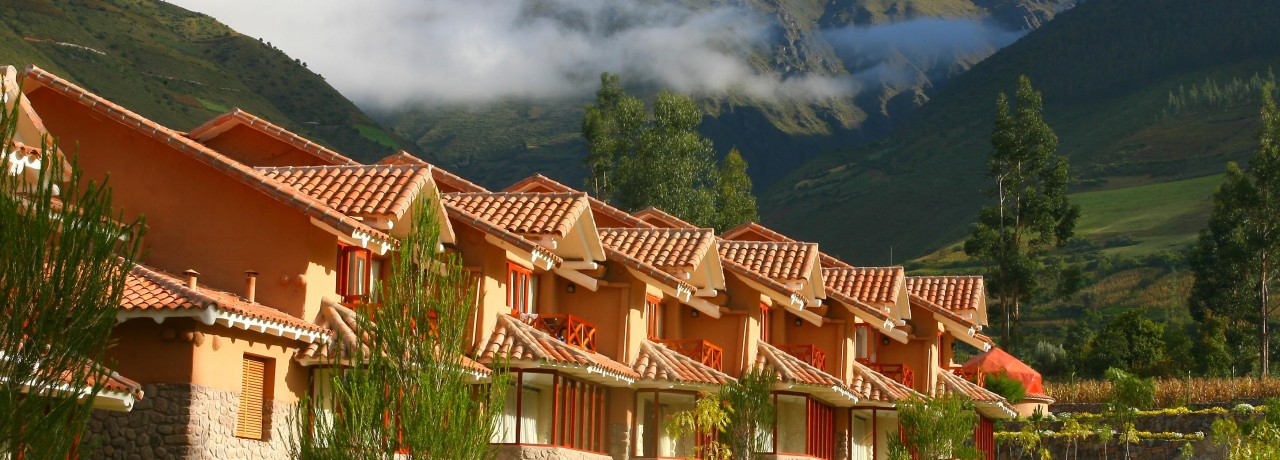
1061	448
182	421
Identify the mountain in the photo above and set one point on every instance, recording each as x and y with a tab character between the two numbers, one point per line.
870	43
1140	92
181	68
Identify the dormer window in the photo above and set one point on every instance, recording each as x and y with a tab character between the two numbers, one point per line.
653	314
521	289
354	271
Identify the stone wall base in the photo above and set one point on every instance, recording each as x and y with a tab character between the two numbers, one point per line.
518	452
183	421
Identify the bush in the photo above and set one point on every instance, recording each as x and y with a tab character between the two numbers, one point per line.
1009	388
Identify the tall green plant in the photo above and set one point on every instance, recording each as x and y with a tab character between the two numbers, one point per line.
735	204
1236	256
1129	393
935	428
1031	213
63	265
751	413
407	395
709	417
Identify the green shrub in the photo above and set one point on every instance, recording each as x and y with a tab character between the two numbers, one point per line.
1007	387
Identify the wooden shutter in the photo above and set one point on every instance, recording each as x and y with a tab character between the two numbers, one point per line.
252	392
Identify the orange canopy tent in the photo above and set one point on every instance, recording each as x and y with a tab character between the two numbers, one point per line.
997	361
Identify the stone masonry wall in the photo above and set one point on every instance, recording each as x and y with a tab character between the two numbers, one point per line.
1092	448
181	421
518	452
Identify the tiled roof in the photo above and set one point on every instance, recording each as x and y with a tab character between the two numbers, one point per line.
661	218
181	143
780	261
523	213
514	340
147	289
350	334
752	231
994	404
870	385
539	183
119	384
878	286
465	217
661	247
654	272
357	190
791	369
953	293
225	121
948	314
447	181
657	362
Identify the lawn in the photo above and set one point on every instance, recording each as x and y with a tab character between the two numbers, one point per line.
1162	216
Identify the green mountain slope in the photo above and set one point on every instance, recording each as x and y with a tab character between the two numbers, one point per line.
1107	70
182	68
498	143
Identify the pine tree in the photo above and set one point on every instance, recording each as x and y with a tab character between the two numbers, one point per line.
63	265
1032	212
1236	255
406	395
736	204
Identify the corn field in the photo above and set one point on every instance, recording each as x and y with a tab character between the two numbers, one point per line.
1172	392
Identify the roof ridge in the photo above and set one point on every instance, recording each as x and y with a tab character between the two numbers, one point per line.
206	155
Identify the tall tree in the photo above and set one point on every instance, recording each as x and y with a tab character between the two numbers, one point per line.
639	159
405	393
1235	257
735	203
1031	213
63	265
751	413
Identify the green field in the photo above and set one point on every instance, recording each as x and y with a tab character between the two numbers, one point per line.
1163	216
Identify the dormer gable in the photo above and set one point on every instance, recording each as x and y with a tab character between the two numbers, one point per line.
254	141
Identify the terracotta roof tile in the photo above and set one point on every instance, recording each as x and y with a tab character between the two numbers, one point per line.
661	247
465	217
791	369
379	190
349	333
225	121
993	405
177	141
877	286
539	183
660	218
514	340
447	181
779	261
657	362
870	385
524	213
954	293
752	231
654	272
148	289
933	307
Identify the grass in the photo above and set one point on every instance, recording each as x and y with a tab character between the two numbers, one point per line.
214	106
377	134
1161	216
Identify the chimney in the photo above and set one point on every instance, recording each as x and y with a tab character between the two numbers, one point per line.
250	285
191	278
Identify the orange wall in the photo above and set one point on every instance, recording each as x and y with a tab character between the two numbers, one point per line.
254	148
141	351
197	217
218	361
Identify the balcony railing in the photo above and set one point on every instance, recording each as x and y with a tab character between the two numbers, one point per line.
569	329
807	353
700	350
972	375
900	373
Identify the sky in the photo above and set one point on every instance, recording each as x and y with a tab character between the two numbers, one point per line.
387	53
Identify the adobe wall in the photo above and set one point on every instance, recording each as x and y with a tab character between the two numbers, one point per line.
254	148
178	421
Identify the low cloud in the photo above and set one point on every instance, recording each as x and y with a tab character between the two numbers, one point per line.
388	53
